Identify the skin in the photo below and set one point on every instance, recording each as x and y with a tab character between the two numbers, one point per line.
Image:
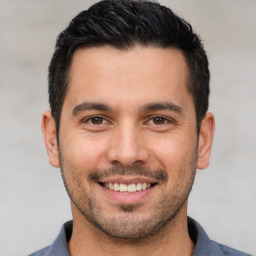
139	139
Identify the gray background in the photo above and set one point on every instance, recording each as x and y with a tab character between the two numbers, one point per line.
33	202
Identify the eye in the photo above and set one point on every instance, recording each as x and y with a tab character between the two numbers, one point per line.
158	120
96	120
96	123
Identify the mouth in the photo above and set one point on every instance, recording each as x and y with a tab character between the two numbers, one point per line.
127	188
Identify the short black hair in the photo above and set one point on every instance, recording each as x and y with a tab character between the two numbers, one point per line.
124	24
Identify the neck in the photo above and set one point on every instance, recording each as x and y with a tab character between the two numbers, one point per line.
173	239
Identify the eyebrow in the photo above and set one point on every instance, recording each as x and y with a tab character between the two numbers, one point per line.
85	106
90	106
162	106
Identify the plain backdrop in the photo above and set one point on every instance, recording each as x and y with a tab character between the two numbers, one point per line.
33	201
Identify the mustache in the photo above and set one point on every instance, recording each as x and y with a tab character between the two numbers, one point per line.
157	174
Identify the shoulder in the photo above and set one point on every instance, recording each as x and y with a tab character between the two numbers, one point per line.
227	251
205	246
60	244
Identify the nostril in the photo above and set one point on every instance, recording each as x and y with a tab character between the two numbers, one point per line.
116	163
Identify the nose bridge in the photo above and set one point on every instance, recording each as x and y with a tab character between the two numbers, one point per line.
127	147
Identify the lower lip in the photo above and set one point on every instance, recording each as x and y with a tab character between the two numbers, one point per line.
127	198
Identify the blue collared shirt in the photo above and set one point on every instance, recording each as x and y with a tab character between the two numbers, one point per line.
203	245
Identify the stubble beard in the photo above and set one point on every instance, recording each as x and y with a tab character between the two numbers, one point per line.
126	225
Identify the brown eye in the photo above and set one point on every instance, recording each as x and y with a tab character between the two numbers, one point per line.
96	120
159	120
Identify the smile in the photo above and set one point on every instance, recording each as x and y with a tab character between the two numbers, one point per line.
127	188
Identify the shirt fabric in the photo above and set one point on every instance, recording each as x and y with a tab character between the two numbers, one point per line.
203	244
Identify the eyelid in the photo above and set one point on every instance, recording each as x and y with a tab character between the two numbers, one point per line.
168	119
89	118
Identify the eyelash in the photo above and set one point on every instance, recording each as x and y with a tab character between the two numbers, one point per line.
104	120
89	119
164	119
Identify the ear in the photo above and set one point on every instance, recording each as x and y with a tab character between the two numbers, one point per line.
50	138
205	140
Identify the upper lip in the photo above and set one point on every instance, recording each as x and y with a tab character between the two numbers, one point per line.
128	180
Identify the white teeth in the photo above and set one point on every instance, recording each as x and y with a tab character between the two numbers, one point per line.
139	186
123	187
130	188
116	187
110	186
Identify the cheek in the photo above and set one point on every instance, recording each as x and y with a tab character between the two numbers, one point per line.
82	151
169	149
175	154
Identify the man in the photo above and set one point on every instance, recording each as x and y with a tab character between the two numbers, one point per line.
128	127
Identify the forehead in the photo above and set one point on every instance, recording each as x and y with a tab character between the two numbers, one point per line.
137	75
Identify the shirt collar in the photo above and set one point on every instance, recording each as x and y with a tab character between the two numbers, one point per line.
204	246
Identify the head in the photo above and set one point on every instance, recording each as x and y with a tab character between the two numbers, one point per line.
124	24
128	85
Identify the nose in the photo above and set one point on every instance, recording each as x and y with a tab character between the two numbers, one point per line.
126	147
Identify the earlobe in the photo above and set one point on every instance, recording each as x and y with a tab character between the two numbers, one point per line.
50	138
205	140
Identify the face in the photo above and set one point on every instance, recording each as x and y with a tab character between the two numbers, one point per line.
128	145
